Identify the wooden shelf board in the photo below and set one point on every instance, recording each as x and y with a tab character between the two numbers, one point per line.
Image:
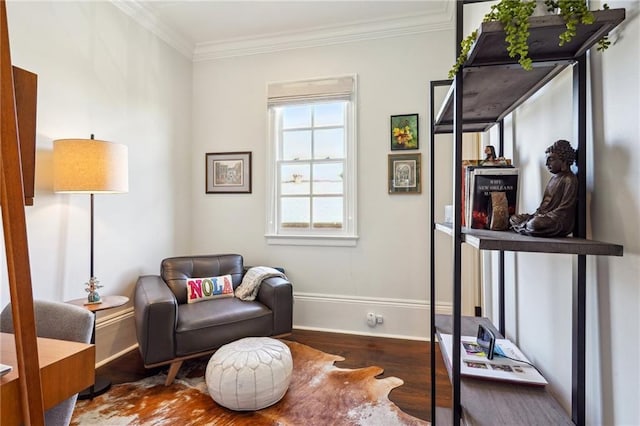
494	84
544	31
483	239
487	402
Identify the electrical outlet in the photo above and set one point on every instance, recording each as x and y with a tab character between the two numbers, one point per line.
371	319
379	319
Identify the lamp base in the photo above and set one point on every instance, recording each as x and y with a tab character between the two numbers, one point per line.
101	385
92	288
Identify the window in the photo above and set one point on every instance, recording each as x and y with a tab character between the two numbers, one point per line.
312	162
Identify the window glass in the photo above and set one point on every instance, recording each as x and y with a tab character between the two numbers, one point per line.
328	143
295	212
327	212
296	116
295	179
327	178
296	144
329	114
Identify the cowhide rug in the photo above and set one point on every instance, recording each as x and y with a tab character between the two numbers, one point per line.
319	394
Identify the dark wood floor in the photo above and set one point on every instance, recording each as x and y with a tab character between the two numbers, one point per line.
407	359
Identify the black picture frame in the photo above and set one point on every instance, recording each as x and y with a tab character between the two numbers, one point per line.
228	172
404	132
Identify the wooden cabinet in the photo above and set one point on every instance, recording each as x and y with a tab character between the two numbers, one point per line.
492	85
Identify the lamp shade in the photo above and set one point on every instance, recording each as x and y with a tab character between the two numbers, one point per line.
90	165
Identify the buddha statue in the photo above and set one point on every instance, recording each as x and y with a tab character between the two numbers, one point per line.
556	214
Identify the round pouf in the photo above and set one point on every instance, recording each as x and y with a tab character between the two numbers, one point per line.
249	374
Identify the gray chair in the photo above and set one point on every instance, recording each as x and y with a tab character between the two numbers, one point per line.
56	320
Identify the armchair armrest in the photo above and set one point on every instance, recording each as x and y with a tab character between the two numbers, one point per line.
277	294
155	317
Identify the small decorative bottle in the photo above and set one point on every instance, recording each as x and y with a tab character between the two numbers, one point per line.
92	288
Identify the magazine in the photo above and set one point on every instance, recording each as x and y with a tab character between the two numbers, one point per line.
474	361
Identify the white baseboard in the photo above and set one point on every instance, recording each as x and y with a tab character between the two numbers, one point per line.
402	318
115	336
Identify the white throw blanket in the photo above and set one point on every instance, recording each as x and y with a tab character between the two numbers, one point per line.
250	285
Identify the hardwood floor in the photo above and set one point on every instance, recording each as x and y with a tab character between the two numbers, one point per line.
406	359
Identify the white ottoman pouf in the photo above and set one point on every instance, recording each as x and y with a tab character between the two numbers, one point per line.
250	373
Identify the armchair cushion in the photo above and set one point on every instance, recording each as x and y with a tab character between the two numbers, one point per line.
203	326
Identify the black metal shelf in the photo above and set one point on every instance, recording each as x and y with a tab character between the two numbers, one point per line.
492	85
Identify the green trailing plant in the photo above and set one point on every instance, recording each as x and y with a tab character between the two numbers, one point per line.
514	16
465	47
573	12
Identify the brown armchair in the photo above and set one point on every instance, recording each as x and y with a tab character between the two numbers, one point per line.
170	330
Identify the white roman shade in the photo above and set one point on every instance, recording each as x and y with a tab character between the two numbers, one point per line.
334	88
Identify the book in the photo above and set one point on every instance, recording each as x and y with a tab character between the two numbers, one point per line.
468	166
474	361
492	198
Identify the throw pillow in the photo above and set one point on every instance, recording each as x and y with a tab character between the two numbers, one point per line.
250	285
199	289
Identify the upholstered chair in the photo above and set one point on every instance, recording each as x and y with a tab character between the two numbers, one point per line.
170	328
56	320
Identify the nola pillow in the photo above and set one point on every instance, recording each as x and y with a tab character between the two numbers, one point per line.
199	289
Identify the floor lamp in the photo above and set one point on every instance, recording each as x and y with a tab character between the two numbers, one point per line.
94	167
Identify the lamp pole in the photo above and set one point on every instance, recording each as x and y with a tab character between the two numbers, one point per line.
91	275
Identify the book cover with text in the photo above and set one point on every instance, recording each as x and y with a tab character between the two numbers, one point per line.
493	198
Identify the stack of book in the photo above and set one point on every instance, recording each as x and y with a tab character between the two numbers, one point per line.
489	194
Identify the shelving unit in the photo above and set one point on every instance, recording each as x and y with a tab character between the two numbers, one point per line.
488	88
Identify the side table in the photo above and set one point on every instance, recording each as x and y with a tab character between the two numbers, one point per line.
102	384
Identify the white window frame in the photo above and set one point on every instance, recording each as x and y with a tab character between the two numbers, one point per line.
304	92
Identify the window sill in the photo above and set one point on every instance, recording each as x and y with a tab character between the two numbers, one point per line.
312	240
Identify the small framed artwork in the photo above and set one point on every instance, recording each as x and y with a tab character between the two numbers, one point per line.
404	173
228	172
404	132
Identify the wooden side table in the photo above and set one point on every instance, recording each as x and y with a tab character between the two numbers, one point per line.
102	384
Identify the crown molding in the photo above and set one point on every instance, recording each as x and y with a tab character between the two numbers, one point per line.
330	35
326	36
147	19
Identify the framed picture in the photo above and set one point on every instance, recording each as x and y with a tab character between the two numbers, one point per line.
404	132
404	173
228	172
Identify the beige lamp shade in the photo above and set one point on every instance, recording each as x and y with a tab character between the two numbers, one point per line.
90	165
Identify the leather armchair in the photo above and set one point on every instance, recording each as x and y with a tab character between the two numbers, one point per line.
170	330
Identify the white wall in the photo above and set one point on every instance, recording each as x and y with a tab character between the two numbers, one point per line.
335	286
100	72
539	301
